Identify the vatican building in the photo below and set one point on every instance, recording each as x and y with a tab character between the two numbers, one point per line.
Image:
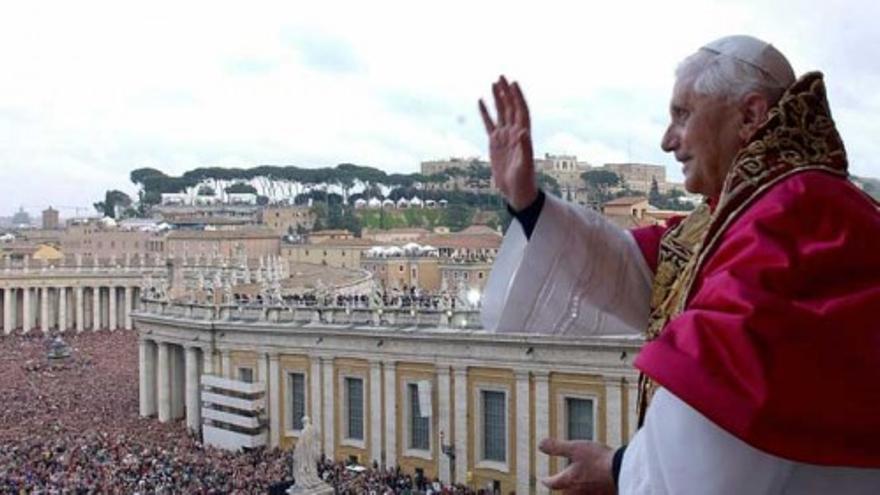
408	382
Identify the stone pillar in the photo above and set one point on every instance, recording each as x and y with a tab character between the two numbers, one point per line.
613	412
163	387
376	412
178	381
193	391
274	384
8	304
632	401
207	361
390	414
44	309
444	422
523	448
25	309
96	308
126	308
316	393
226	364
329	422
112	305
461	426
62	309
542	427
147	371
79	311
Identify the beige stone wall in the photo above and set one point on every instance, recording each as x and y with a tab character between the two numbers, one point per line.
90	240
423	273
327	254
225	247
286	219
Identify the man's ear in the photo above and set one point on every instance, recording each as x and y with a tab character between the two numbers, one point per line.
754	109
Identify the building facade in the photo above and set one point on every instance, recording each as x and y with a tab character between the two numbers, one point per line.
286	220
256	242
465	406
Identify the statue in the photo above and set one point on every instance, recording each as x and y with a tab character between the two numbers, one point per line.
305	463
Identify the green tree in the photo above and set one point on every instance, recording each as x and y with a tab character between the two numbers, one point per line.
599	182
458	216
206	190
241	188
115	203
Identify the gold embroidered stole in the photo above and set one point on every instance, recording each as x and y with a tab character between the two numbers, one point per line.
799	136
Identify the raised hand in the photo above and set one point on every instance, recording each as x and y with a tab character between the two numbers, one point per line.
589	472
510	145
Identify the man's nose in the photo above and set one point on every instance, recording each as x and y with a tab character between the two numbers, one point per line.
669	142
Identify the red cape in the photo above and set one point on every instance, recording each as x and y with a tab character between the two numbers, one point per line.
779	343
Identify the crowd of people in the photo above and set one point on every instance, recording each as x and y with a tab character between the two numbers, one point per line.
72	426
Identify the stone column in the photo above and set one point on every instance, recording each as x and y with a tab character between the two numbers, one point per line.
376	411
542	427
613	412
62	309
390	414
207	361
178	381
459	373
443	421
315	393
79	309
126	308
193	391
226	364
632	402
274	384
147	371
163	387
25	309
44	309
329	422
8	304
96	308
112	304
523	448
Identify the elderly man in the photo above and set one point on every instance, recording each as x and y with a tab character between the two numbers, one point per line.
758	308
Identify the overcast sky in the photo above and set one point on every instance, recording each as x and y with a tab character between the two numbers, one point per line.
90	91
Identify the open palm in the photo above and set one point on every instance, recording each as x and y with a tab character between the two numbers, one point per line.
510	145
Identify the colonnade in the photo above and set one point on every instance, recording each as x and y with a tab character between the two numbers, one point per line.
170	377
41	305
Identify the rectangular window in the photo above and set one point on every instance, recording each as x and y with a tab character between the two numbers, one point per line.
297	396
579	418
354	399
494	426
419	428
246	375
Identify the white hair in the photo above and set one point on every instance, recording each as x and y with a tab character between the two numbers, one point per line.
724	76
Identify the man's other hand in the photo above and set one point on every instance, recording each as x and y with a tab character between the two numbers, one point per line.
589	471
510	145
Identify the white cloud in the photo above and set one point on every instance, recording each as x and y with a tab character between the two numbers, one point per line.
97	89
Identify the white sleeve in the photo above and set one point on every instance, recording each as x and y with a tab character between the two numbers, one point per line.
679	451
579	274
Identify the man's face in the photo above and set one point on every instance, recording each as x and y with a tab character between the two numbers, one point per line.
704	135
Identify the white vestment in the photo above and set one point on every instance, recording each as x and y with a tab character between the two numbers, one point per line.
581	275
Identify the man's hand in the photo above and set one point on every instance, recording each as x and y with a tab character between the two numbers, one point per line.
510	145
590	469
